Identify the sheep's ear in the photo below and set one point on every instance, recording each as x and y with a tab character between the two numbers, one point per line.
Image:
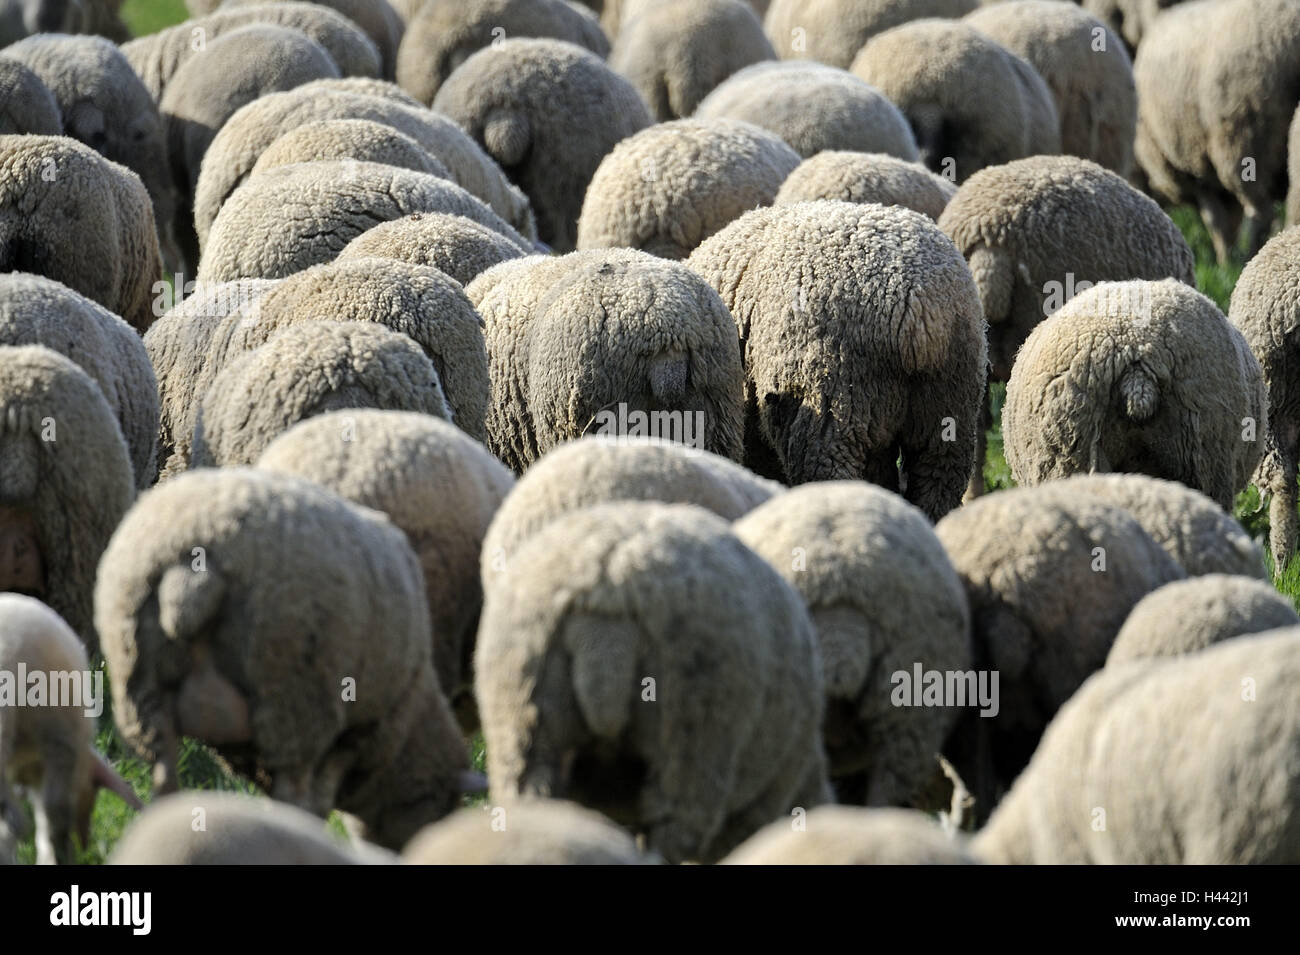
994	278
188	599
106	777
604	651
507	136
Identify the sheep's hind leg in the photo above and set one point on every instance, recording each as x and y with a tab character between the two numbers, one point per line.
976	486
165	773
13	821
327	780
1222	218
1258	225
295	786
57	803
1282	516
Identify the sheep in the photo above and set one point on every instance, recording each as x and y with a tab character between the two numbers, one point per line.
867	177
305	370
287	628
1137	376
505	98
833	31
1263	310
862	340
613	342
1209	126
177	344
1293	171
1190	615
453	244
1036	230
364	86
104	105
22	18
235	150
48	748
1129	19
1085	67
1199	535
65	481
445	34
39	311
232	71
883	598
158	56
1185	761
438	486
73	216
292	217
211	86
970	102
845	835
601	469
537	271
674	53
668	188
359	139
813	108
219	828
1050	579
674	686
376	19
416	300
533	832
26	104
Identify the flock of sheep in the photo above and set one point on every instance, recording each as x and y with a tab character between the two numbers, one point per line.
377	478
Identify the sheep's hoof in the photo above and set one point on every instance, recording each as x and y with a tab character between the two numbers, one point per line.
21	569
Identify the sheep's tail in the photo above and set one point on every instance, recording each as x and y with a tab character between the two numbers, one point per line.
994	275
669	376
188	600
208	705
1140	393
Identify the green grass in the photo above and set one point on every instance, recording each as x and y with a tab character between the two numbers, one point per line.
1214	280
997	475
150	16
